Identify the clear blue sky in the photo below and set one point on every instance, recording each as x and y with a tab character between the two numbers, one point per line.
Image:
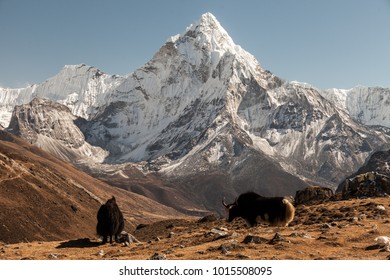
332	43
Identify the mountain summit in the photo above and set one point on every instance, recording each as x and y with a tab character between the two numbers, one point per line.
173	99
208	34
206	117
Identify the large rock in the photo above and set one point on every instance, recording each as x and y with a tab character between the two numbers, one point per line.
312	195
368	184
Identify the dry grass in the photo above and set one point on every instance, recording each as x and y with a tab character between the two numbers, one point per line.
348	236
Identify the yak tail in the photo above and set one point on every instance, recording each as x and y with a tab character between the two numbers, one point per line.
289	211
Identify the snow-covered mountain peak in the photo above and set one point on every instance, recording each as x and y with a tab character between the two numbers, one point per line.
208	20
206	36
80	69
212	31
208	24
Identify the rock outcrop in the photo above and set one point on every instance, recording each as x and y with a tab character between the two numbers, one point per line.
313	195
368	184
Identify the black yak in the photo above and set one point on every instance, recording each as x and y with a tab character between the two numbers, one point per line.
110	220
276	211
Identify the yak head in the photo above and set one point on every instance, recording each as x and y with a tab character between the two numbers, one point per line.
232	210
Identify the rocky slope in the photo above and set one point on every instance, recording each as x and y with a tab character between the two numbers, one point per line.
377	165
44	198
378	162
50	125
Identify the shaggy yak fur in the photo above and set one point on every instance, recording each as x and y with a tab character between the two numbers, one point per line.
276	211
110	220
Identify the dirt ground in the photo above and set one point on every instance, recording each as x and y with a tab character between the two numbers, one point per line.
340	230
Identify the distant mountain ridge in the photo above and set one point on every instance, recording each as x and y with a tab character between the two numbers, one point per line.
81	88
205	115
367	105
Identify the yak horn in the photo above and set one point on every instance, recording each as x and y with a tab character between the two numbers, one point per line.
224	203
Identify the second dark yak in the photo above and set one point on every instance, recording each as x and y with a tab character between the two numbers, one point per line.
254	208
110	221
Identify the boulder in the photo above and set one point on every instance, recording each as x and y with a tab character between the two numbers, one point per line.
370	184
313	195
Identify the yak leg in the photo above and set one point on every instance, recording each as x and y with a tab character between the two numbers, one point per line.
251	221
104	239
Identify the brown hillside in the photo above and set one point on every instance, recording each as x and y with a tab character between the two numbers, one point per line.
43	198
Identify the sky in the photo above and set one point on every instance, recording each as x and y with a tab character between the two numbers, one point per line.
328	44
